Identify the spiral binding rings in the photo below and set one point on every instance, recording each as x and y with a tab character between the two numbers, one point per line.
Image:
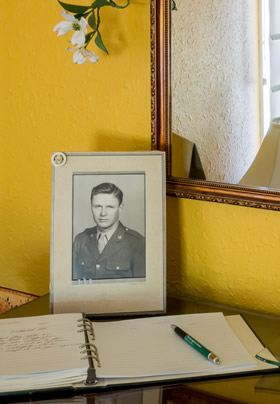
86	325
91	352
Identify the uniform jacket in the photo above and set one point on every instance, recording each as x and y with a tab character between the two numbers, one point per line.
122	257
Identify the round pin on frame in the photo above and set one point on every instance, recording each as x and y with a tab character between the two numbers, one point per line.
58	159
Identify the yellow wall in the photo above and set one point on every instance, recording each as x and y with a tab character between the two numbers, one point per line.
47	104
224	253
221	252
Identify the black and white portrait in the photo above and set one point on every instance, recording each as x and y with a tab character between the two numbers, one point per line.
108	227
108	233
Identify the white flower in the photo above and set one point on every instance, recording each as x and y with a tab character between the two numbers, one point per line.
80	56
79	26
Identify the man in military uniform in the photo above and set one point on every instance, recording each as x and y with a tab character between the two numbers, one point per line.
109	250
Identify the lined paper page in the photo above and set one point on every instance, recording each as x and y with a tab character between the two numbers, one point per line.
33	345
147	347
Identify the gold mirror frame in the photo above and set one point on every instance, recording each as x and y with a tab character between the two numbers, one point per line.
161	127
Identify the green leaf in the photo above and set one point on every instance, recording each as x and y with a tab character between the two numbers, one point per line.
88	37
100	3
92	21
79	16
113	4
100	44
74	9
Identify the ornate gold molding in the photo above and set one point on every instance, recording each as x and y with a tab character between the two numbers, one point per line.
225	196
262	198
153	74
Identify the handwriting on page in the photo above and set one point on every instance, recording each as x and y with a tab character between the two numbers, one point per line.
30	339
40	344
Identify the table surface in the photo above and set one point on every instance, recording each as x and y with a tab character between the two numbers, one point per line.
257	389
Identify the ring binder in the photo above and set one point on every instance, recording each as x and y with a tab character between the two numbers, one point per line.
90	350
142	350
87	326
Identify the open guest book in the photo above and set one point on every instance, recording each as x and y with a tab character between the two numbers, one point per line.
69	351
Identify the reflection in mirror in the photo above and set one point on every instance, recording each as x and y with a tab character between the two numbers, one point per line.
215	88
222	100
265	169
186	160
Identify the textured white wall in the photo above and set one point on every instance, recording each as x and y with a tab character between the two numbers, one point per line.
215	84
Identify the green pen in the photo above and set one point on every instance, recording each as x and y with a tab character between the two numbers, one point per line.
196	345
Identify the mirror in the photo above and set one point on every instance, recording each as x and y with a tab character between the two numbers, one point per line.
213	108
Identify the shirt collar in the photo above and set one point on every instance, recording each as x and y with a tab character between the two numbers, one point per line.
109	232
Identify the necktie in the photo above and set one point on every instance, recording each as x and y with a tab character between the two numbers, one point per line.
101	242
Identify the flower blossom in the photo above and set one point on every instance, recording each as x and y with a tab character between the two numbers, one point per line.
79	26
81	54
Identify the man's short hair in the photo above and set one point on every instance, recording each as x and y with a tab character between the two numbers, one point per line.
107	188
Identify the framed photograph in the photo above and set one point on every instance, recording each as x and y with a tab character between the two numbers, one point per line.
108	233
